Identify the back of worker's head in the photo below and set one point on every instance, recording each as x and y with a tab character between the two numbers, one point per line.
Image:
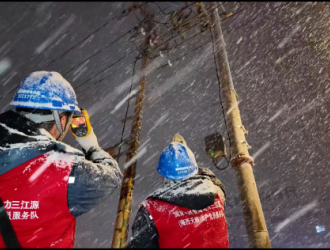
47	99
177	162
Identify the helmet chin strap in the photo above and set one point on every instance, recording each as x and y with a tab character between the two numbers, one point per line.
58	123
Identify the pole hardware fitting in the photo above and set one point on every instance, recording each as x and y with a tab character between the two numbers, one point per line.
232	118
147	51
130	9
245	142
244	130
204	17
178	21
133	96
120	144
230	88
122	153
128	118
238	160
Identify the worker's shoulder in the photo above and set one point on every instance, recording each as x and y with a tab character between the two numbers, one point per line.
62	147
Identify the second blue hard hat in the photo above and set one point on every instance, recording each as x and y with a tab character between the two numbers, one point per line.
177	162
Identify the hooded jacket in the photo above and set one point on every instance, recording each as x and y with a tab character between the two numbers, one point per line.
46	184
183	214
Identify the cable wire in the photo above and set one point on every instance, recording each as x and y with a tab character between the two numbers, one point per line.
86	38
122	133
113	64
100	50
223	110
156	48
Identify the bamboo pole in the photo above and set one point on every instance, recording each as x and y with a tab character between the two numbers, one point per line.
241	160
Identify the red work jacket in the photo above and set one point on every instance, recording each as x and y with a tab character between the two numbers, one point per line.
35	198
180	227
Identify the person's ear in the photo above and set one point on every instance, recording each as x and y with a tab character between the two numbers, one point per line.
64	120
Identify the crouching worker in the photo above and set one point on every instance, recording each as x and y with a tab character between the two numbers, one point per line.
44	183
188	211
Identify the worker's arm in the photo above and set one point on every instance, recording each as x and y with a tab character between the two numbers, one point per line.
144	231
91	180
94	178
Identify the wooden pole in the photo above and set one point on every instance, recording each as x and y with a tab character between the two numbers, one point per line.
241	160
120	233
126	193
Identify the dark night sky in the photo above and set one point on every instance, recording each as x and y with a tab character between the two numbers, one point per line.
279	58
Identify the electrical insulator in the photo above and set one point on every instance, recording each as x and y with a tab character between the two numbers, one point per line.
169	63
143	31
161	53
156	40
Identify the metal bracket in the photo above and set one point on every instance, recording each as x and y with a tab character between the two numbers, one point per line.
245	142
204	19
128	118
243	128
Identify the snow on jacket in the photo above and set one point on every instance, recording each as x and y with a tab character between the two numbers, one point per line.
46	184
183	214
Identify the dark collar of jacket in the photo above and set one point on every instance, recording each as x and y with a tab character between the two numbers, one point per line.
197	192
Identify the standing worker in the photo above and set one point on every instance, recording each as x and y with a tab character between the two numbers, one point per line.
44	183
188	211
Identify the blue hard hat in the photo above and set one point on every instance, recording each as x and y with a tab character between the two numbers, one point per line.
177	162
46	90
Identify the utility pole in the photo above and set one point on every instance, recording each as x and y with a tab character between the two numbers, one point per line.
126	193
241	160
120	233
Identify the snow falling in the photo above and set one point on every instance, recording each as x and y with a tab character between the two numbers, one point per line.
295	216
5	64
57	33
278	54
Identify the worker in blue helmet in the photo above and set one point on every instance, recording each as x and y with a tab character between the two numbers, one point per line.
49	182
188	211
177	162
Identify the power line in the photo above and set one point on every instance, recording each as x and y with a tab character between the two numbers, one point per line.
122	133
173	37
66	52
125	57
191	51
223	110
119	39
120	59
160	9
100	50
102	26
87	37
